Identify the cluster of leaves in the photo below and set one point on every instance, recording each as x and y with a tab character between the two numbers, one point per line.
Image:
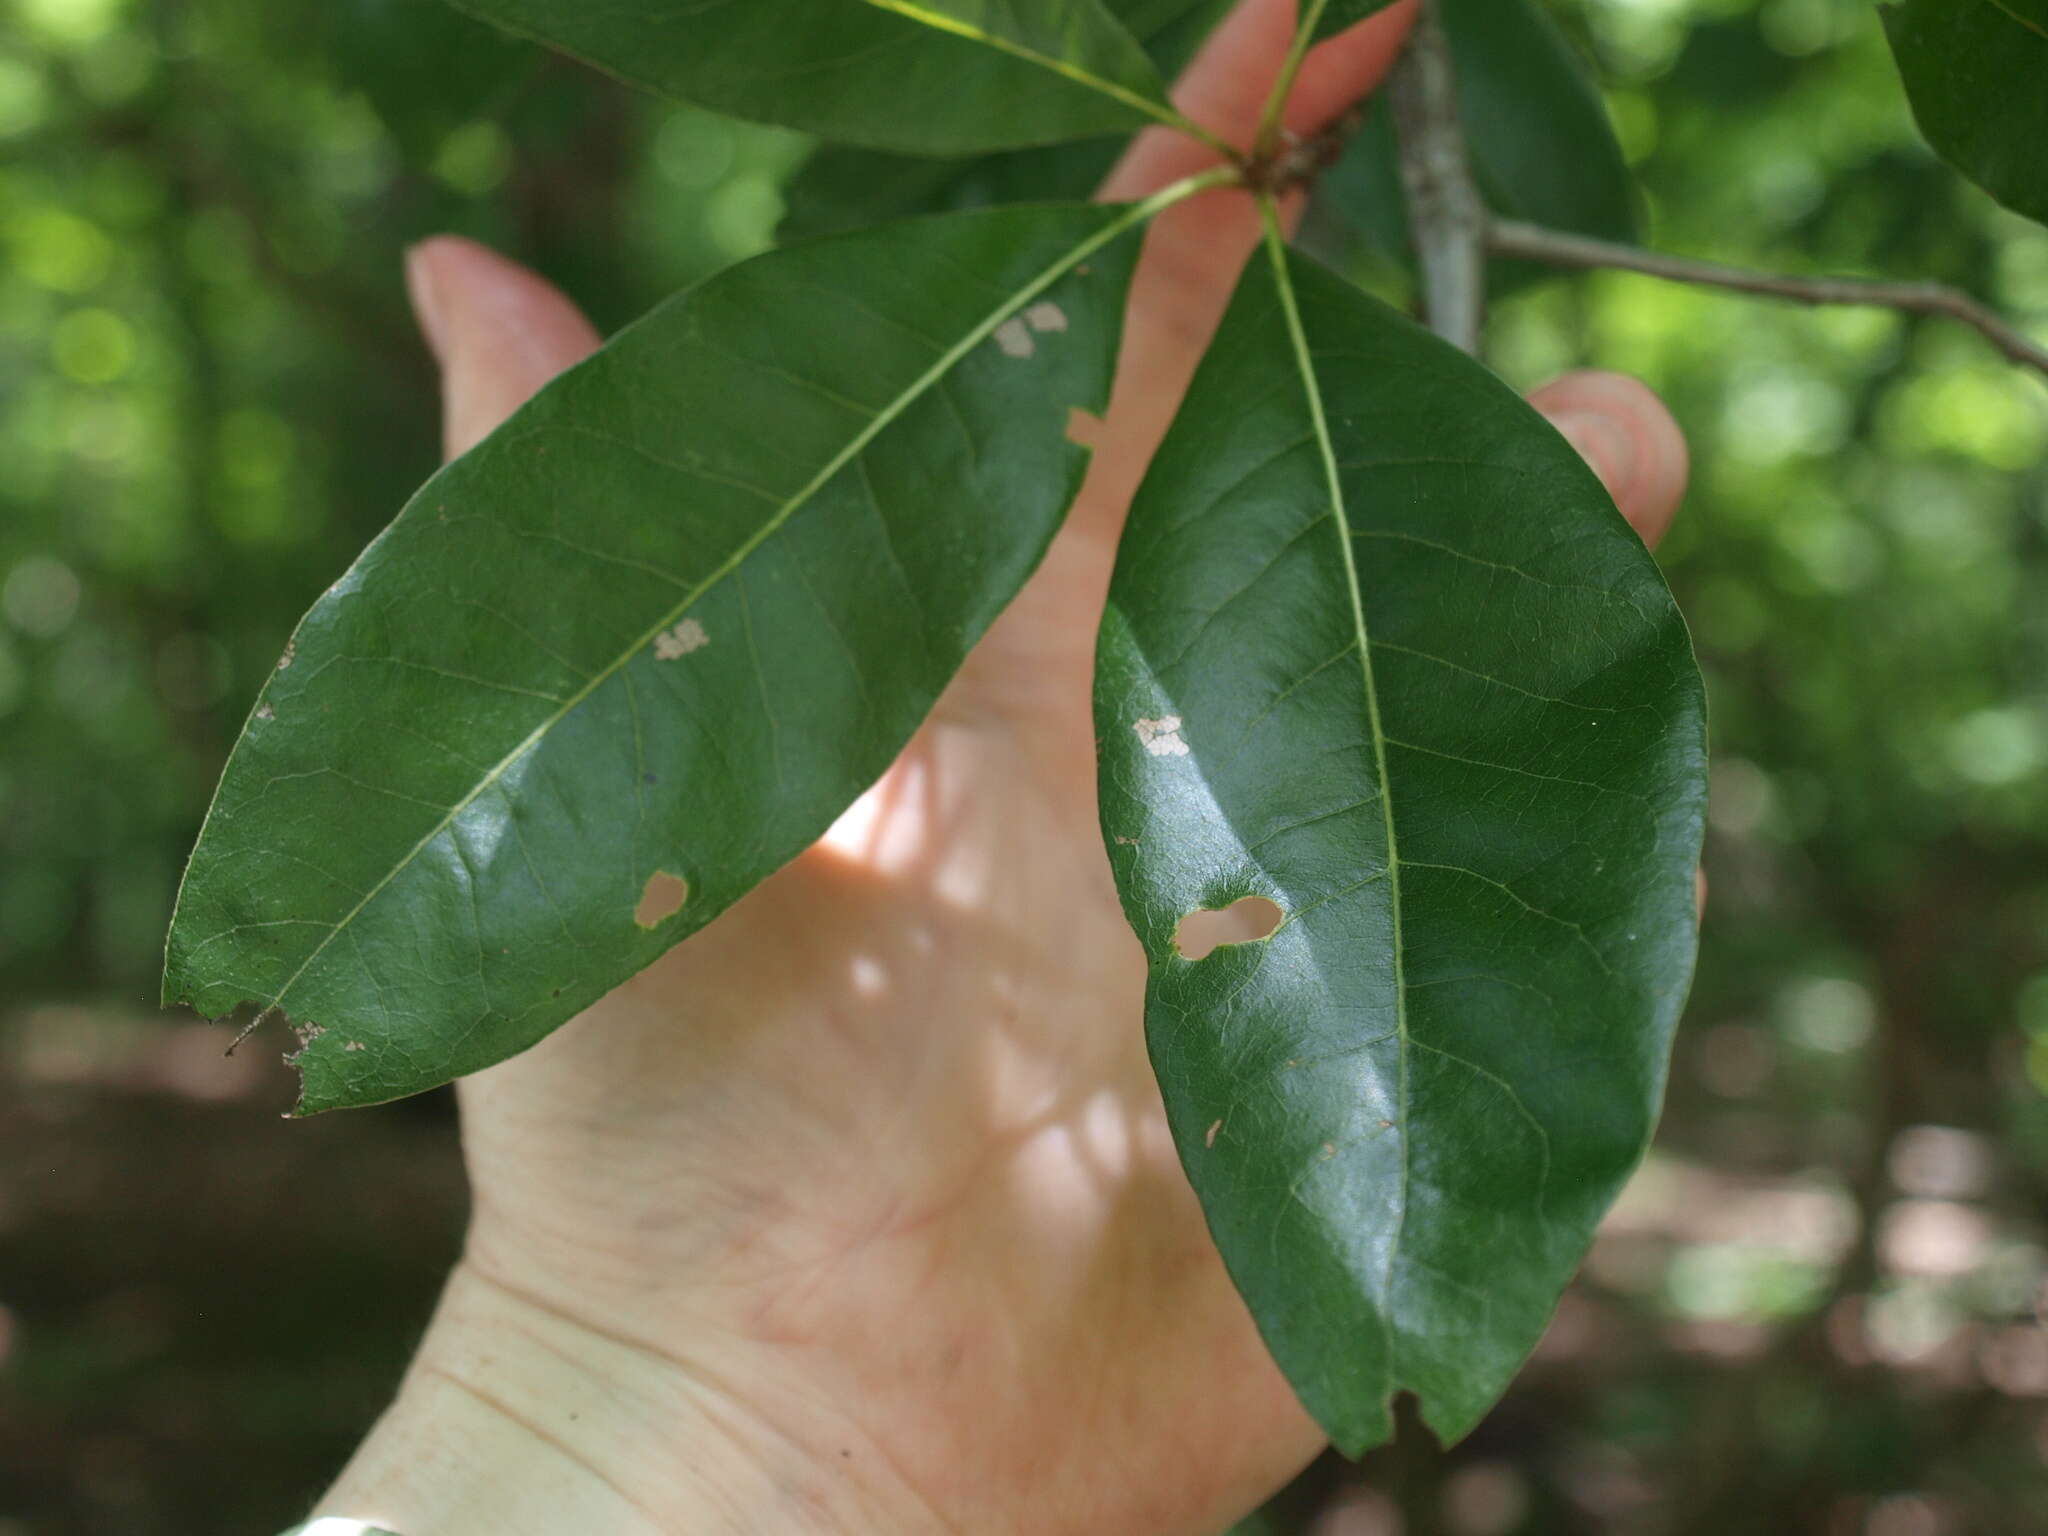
686	605
1476	789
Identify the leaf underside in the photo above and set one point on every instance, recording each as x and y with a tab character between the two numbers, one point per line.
1976	72
1380	650
669	621
915	76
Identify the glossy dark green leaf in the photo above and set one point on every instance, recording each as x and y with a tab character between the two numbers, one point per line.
1339	14
914	76
1542	147
1380	650
1977	74
662	627
845	188
841	188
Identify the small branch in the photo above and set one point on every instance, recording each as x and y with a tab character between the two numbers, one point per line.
1444	208
1504	237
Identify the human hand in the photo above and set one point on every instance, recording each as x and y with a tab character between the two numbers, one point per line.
858	1212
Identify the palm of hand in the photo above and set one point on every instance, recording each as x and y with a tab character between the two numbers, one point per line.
885	1135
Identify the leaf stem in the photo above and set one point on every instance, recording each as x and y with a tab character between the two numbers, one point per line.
1187	187
1530	242
1444	207
1267	140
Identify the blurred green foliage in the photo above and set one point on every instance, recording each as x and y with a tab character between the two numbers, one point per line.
1820	1308
210	393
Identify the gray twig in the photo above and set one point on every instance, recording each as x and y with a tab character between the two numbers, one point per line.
1444	208
1506	237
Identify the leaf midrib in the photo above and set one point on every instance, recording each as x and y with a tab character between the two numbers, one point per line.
1135	214
1297	336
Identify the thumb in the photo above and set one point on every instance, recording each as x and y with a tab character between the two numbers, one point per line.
1627	434
498	331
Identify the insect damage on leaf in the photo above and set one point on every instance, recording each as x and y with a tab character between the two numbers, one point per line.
1161	737
307	1033
1046	316
1014	334
662	899
1247	921
674	644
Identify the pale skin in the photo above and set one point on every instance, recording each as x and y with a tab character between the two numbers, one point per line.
858	1213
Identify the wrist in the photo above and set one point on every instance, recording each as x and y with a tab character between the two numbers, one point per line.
514	1420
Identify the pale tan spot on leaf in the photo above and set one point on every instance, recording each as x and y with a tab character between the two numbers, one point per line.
1014	337
674	644
1161	737
1046	316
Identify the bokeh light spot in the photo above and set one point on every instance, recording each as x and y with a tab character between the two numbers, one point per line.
93	346
60	251
40	596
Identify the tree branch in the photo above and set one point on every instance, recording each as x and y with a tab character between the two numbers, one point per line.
1506	237
1444	208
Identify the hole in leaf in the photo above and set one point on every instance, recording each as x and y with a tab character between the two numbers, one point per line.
1202	933
662	900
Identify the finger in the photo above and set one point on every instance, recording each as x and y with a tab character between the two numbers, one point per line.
498	331
1625	432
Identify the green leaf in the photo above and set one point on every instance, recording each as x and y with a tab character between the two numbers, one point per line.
845	188
1976	72
425	69
655	633
1542	147
1380	650
1339	14
842	188
1172	31
915	76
